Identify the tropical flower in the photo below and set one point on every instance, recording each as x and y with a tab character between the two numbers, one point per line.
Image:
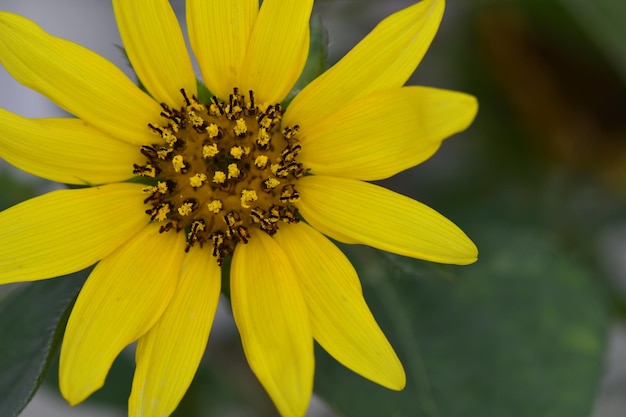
238	177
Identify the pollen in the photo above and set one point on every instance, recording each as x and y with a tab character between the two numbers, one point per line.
209	151
237	152
233	171
248	197
219	177
197	180
161	187
215	206
162	212
264	137
261	161
225	171
162	153
196	120
240	128
185	209
213	131
271	183
170	139
178	163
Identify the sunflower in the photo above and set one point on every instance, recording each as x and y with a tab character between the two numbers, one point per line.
236	178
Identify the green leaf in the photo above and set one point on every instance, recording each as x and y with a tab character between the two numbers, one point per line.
15	190
521	333
604	22
204	95
32	321
317	61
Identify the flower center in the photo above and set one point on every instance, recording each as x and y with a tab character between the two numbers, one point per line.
222	169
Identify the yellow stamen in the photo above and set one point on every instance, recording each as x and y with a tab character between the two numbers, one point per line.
215	206
247	197
196	120
214	110
240	128
261	161
161	187
236	152
209	151
162	212
162	153
266	122
178	163
271	183
197	180
170	139
233	171
185	209
212	130
264	137
219	177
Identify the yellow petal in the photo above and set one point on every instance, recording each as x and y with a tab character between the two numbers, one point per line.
156	48
64	150
68	230
273	321
384	59
340	319
122	299
278	49
77	79
169	354
380	218
219	33
386	132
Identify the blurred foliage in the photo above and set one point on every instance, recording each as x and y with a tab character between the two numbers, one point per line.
569	95
521	333
33	318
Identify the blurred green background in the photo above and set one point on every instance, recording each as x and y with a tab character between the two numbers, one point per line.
536	327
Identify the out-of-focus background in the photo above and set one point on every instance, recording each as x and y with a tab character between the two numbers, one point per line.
536	327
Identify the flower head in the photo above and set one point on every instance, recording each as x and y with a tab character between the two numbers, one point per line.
239	176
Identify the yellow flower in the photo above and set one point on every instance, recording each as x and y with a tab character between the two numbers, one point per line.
230	178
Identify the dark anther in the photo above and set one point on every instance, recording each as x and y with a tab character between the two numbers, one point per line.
299	171
289	194
171	184
251	93
232	218
257	214
217	104
168	113
145	170
288	215
242	234
184	93
152	197
193	237
156	129
193	202
282	171
149	151
217	240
